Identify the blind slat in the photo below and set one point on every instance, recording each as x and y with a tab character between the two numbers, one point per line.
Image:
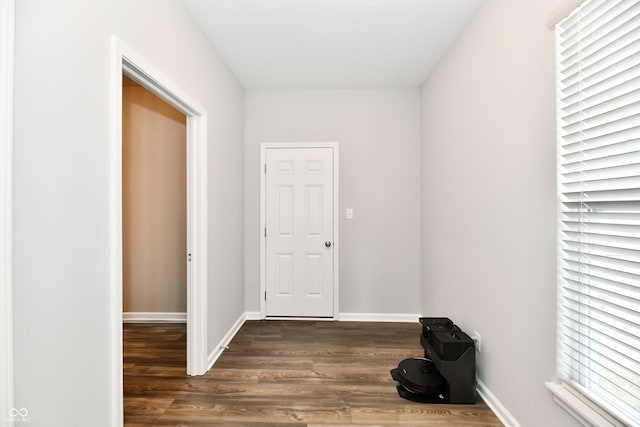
630	122
598	162
575	279
602	207
605	148
620	195
597	273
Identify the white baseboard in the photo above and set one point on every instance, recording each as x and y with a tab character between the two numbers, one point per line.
224	342
252	315
153	317
496	406
349	317
378	317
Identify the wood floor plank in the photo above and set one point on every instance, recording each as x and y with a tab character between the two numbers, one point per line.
282	373
147	405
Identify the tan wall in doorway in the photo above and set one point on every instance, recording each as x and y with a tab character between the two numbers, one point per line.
154	203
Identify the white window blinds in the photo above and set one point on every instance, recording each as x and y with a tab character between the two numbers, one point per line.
598	66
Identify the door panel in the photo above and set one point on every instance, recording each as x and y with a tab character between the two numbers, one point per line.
285	211
314	274
284	274
314	211
299	220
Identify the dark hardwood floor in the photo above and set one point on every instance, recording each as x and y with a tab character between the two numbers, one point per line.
282	373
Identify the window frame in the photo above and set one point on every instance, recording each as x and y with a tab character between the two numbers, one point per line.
578	402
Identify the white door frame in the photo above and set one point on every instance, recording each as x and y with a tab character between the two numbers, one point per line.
124	59
7	46
336	217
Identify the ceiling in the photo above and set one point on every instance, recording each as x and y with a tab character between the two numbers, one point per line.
332	44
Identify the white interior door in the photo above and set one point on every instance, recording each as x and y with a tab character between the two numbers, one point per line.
299	241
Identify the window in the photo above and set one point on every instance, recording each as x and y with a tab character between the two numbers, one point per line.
598	78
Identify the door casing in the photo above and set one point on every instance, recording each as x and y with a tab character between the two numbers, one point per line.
336	217
7	42
126	60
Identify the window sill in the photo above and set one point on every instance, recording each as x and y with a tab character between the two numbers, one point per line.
581	407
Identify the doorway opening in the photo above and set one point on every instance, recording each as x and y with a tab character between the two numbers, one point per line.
154	193
125	60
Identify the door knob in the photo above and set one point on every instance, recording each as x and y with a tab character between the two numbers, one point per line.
327	244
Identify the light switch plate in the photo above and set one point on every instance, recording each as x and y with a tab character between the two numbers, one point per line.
348	213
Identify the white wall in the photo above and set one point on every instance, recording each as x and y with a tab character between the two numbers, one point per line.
379	136
489	204
61	178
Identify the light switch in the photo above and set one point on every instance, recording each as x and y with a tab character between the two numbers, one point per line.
348	213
